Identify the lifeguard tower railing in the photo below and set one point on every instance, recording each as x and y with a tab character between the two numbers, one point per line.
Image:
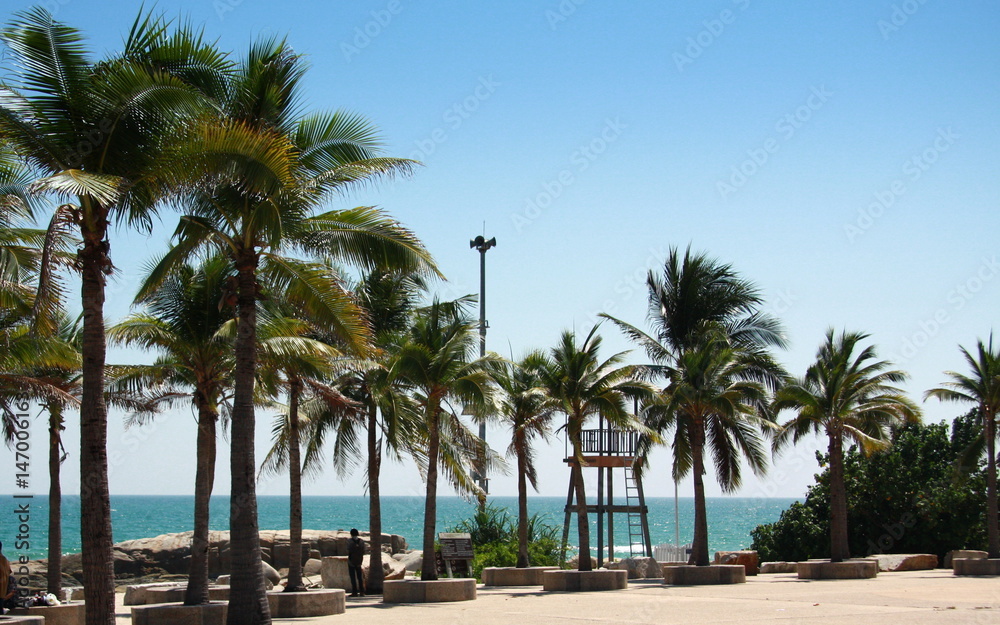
609	442
607	449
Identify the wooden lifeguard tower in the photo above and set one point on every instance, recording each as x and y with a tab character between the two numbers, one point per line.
607	449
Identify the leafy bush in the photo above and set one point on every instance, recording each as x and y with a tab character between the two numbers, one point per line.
494	538
908	499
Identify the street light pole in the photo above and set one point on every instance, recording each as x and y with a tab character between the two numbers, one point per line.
482	245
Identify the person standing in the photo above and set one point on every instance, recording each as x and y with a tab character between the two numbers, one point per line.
8	587
355	558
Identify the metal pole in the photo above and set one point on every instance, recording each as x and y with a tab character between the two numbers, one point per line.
482	245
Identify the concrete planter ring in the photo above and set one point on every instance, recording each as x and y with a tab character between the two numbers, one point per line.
512	576
690	575
584	581
431	591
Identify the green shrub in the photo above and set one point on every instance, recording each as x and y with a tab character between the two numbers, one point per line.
910	498
494	539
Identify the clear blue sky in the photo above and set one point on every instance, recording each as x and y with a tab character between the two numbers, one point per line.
843	156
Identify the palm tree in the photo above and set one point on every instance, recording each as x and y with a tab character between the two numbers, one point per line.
715	400
438	361
278	168
186	322
982	388
95	133
388	300
851	397
300	364
527	410
583	386
708	342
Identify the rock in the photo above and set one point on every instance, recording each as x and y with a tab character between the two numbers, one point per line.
638	568
574	562
963	553
222	580
412	561
136	593
270	574
769	568
171	553
334	571
313	566
397	544
747	558
905	562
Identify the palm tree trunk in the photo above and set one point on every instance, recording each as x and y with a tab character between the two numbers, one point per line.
54	575
522	506
699	545
428	569
992	526
204	480
294	583
95	497
375	573
839	548
247	595
582	519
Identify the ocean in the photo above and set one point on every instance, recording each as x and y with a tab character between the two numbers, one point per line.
730	519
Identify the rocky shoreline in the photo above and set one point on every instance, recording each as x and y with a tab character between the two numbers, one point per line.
166	557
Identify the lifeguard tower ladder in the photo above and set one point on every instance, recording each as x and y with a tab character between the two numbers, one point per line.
607	449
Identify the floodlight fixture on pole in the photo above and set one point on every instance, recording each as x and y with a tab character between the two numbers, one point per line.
482	245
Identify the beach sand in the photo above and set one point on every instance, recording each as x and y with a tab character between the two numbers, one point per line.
911	598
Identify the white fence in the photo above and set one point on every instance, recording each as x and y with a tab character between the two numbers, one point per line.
671	553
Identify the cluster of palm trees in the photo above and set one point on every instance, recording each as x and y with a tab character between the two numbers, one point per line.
173	120
252	303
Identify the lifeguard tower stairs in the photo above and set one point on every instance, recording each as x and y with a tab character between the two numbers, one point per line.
612	453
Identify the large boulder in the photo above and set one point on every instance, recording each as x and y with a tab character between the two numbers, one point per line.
906	562
313	566
171	553
748	559
335	575
270	574
574	562
638	568
412	561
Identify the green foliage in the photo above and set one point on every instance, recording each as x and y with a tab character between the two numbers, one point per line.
911	498
494	537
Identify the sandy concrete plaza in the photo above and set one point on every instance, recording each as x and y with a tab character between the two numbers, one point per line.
912	598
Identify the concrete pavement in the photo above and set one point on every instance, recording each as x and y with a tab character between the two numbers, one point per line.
911	598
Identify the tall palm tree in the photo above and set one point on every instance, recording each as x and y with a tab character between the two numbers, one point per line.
583	386
279	167
388	300
706	321
715	401
851	396
981	387
301	365
527	409
94	132
438	361
185	322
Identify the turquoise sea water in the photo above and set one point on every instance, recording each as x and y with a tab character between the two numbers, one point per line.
730	518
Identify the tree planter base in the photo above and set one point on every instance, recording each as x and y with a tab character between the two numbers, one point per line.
65	614
690	575
512	576
976	566
436	591
848	569
7	619
179	614
176	594
584	581
319	602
